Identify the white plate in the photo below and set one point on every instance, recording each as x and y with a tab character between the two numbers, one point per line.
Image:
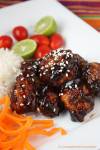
79	36
84	138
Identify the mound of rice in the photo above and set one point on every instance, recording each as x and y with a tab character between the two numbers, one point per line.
9	68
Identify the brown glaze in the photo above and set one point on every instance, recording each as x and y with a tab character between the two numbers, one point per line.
77	98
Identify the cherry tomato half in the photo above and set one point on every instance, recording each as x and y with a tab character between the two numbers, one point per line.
6	41
41	51
56	41
40	39
20	33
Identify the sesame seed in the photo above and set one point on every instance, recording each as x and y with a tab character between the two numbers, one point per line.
62	67
68	70
27	75
60	70
42	67
46	66
24	96
32	75
38	109
29	67
76	86
54	110
66	62
46	105
71	55
23	85
70	86
40	74
60	94
66	74
72	111
44	73
35	66
46	70
36	93
22	79
33	80
52	68
21	104
28	103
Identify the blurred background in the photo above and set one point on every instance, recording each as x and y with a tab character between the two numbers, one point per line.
89	10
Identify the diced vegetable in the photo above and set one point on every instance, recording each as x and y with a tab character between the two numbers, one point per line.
6	41
41	51
56	41
40	39
20	33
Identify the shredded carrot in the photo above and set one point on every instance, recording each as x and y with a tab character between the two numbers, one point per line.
29	146
15	130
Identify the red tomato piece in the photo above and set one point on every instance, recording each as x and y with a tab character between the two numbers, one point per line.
41	51
6	41
20	33
40	39
56	41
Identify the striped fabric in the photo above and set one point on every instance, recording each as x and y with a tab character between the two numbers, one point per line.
89	10
4	3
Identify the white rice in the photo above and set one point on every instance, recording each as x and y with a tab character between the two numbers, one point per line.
9	68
